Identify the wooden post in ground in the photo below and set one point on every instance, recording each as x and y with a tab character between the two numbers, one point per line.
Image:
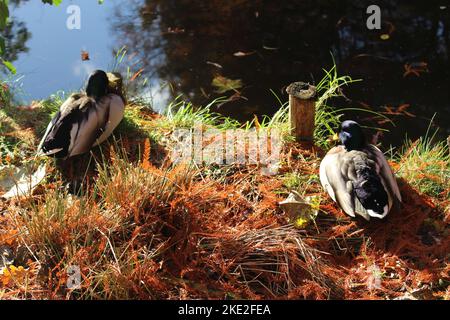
302	110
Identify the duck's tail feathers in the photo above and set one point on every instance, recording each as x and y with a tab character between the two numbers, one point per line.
360	210
373	199
367	213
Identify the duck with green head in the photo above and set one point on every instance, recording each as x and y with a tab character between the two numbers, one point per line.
357	176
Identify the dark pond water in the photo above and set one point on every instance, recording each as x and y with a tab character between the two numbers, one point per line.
182	45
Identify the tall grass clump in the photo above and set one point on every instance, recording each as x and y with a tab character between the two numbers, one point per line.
115	231
182	114
136	83
22	127
279	121
134	187
327	118
426	166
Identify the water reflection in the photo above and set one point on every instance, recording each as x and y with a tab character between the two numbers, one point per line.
16	36
185	44
53	62
190	42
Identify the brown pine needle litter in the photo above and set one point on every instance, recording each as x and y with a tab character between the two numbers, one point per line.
145	228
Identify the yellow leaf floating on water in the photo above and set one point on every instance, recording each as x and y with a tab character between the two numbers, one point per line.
224	84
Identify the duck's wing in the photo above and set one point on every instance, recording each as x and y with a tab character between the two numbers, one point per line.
56	139
44	138
113	108
385	171
334	179
74	128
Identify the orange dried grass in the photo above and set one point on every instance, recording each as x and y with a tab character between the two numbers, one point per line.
221	238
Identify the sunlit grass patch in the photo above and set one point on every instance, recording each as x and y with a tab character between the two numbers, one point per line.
21	127
298	181
137	121
144	229
426	166
111	231
126	185
182	114
327	118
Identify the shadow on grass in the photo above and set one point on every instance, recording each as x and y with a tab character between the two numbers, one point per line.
407	251
415	232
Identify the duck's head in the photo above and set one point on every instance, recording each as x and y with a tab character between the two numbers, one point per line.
115	84
352	135
97	86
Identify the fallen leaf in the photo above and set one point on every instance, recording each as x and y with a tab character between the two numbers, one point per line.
415	68
214	64
301	210
175	30
270	48
224	84
400	110
85	56
13	274
402	107
136	75
243	54
19	182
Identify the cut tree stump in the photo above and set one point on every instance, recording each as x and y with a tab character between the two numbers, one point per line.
302	110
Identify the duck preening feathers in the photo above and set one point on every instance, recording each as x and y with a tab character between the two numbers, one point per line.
357	176
85	120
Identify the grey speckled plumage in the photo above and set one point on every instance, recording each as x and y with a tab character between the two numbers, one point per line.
359	178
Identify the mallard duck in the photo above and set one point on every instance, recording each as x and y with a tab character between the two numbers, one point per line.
357	176
86	119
